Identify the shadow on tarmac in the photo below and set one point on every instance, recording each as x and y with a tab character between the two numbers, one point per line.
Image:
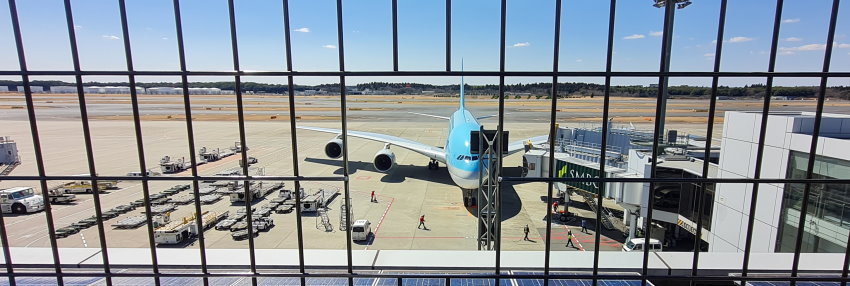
510	204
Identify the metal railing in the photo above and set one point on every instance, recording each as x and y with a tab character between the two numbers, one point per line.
663	74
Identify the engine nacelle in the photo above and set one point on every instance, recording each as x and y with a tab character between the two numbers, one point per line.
334	148
384	160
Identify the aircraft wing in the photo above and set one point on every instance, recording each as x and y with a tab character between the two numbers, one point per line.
517	146
429	151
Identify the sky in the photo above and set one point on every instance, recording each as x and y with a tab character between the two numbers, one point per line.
367	30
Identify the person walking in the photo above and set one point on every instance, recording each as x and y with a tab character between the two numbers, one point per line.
422	222
373	198
525	230
583	225
555	207
570	239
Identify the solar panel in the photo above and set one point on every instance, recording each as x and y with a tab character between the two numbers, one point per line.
282	281
52	281
133	281
474	282
423	282
573	282
783	283
181	281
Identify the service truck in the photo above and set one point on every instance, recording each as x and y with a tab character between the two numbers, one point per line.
86	187
59	196
179	231
20	200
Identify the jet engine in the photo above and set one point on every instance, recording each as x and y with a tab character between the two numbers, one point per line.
334	148
384	160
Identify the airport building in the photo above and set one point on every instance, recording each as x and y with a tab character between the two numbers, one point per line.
725	207
787	145
63	89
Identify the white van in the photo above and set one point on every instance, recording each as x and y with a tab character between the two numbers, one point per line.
636	244
360	230
20	200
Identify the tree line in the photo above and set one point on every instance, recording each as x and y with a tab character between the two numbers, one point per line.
571	89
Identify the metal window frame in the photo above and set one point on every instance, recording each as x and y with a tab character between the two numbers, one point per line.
663	74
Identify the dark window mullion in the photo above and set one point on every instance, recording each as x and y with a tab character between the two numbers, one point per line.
345	159
499	130
448	35
605	111
281	73
84	119
556	45
660	105
240	113
4	238
718	49
190	134
292	130
137	125
777	20
830	38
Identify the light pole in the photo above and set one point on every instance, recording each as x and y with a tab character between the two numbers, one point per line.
667	38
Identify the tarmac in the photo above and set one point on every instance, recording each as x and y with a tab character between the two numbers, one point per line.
408	191
403	195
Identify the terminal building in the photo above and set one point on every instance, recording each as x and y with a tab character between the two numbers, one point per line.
725	207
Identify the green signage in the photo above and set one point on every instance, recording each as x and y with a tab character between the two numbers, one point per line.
570	170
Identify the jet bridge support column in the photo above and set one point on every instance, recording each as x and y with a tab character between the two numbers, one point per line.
488	190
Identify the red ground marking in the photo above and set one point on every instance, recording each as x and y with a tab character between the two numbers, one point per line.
364	177
423	237
381	221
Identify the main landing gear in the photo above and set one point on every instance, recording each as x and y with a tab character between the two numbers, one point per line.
433	165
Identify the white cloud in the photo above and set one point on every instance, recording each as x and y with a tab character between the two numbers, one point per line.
740	39
633	37
656	33
523	44
579	60
111	37
793	39
795	20
302	30
708	55
165	38
329	47
785	53
810	47
78	27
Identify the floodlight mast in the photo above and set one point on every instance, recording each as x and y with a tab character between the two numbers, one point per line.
663	83
680	4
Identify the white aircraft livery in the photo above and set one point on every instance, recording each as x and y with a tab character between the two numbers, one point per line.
456	155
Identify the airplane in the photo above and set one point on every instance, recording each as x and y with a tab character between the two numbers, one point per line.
456	155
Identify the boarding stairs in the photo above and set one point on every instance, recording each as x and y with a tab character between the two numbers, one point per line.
325	220
344	212
609	221
8	168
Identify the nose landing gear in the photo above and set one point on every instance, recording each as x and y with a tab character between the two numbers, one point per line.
470	197
433	165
